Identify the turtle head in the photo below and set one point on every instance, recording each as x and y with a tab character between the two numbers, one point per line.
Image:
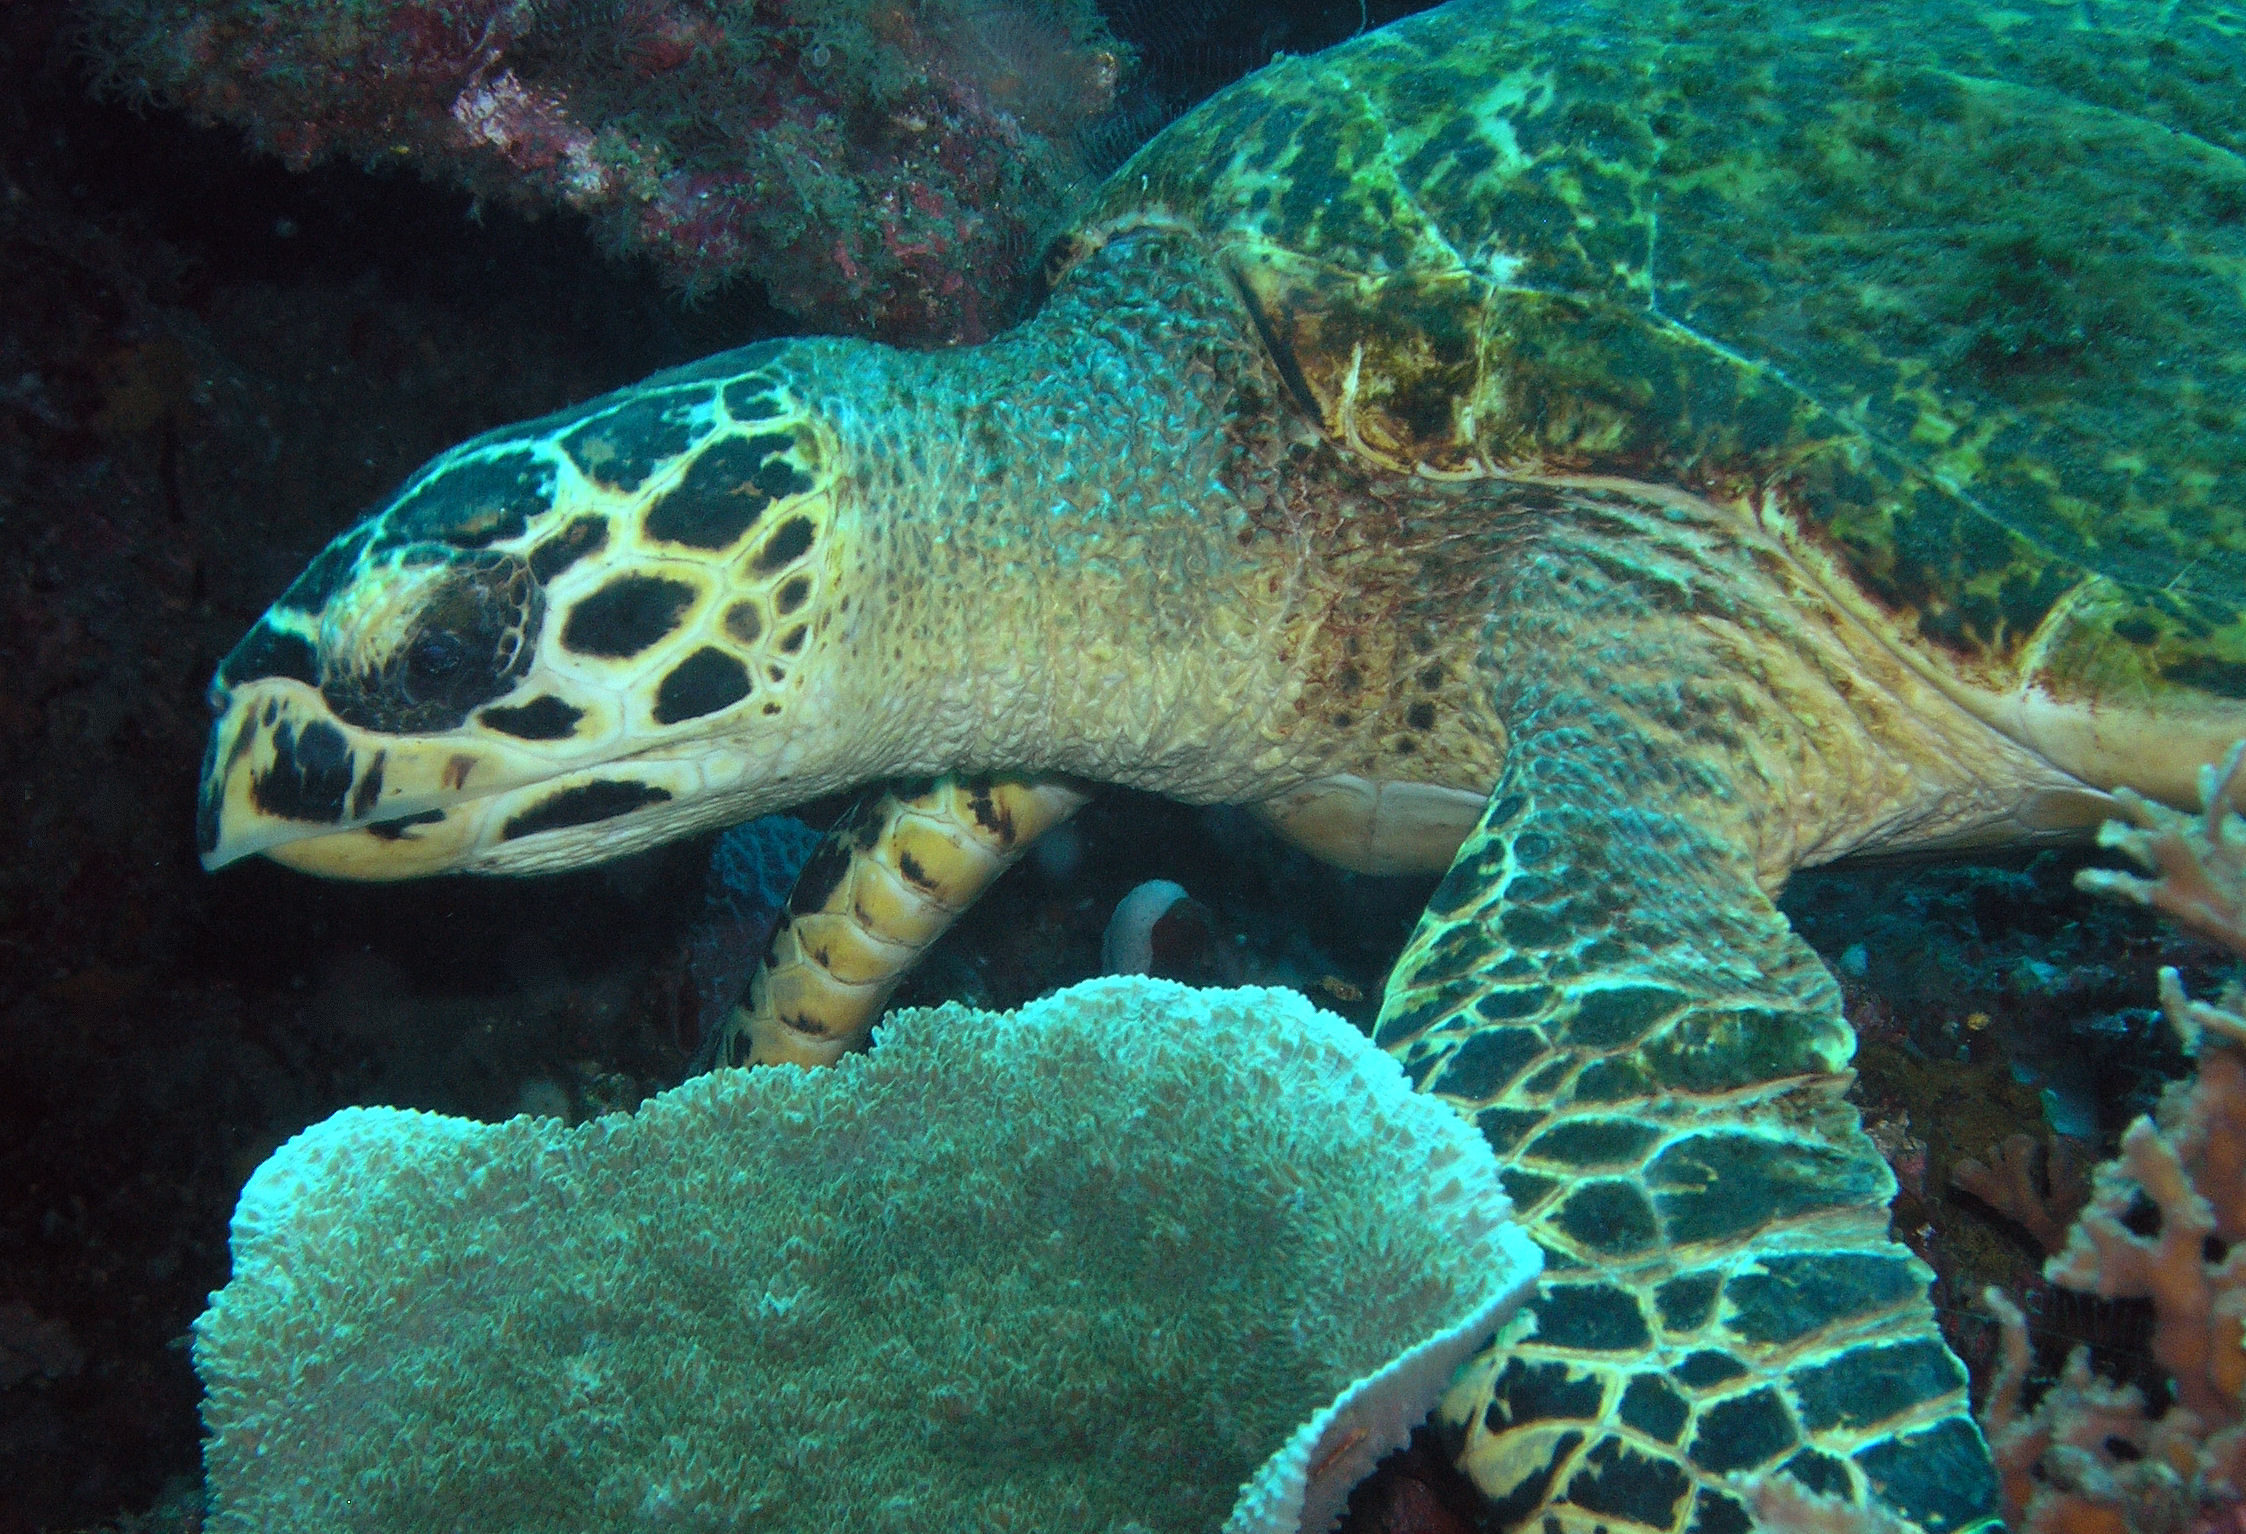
559	642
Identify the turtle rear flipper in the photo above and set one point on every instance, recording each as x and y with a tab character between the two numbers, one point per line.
887	880
1602	982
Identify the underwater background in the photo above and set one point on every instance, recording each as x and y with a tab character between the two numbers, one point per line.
224	334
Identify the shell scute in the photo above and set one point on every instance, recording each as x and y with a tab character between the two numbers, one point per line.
1962	290
1392	366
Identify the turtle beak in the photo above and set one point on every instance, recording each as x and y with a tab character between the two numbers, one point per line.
283	776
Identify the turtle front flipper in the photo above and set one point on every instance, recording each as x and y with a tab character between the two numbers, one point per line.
891	876
1603	985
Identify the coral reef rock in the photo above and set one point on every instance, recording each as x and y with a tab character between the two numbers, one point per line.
884	169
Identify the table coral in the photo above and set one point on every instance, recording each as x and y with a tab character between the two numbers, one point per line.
1081	1267
884	169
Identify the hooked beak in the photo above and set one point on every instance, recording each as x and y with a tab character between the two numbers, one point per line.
283	776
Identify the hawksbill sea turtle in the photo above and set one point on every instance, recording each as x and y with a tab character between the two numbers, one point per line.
1619	451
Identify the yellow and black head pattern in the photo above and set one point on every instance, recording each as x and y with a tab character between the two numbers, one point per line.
521	661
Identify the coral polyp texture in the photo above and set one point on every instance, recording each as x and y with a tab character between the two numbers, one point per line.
885	169
1123	1260
2166	1223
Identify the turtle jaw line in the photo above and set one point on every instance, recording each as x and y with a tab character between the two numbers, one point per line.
572	819
457	836
446	804
285	773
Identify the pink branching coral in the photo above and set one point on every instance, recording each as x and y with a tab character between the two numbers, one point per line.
2008	1183
2091	1458
884	168
2200	861
2166	1223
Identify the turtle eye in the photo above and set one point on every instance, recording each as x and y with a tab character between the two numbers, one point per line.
434	657
444	638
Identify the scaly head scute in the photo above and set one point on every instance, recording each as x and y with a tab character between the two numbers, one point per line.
517	663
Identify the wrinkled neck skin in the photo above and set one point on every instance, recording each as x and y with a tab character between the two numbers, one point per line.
1106	545
1050	564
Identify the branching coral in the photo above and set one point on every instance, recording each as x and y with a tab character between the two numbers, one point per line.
2166	1223
2093	1458
2199	861
2008	1183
